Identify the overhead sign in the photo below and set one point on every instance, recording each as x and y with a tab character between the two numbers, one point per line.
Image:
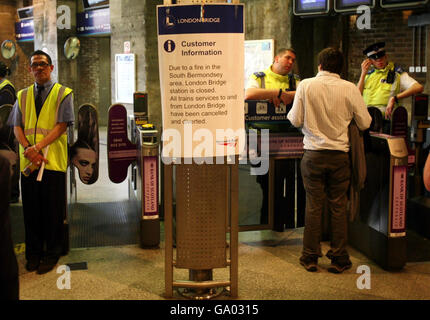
402	3
24	30
311	7
352	5
93	22
201	57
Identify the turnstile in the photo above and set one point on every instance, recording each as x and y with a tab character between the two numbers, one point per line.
379	230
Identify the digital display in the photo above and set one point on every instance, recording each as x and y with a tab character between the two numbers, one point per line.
25	13
351	5
402	3
310	7
92	4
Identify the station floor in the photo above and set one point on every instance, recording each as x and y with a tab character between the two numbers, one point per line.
269	266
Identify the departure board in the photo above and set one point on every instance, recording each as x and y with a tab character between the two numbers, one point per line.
311	7
352	5
404	4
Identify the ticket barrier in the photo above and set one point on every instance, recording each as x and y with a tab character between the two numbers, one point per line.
275	200
419	201
379	230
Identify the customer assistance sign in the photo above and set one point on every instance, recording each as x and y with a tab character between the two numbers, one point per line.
201	56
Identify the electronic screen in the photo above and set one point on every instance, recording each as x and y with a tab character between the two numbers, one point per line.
25	13
420	107
310	7
402	3
351	5
94	4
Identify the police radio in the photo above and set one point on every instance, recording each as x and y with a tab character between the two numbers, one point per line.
390	76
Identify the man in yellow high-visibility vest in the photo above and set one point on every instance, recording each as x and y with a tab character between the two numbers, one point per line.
40	118
385	83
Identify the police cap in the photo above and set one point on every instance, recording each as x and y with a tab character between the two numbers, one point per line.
375	51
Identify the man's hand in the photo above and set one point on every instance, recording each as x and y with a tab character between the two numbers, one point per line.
34	156
365	65
389	109
287	97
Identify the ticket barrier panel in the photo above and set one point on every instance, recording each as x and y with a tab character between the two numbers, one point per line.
379	230
275	200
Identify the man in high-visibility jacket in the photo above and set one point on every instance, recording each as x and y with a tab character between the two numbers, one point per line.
385	84
40	118
278	85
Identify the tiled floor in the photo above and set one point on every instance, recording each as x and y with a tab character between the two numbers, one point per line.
269	267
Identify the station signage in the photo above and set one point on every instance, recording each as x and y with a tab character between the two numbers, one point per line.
352	5
93	22
24	30
311	7
201	62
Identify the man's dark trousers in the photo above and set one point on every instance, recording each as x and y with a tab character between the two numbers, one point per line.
44	205
326	177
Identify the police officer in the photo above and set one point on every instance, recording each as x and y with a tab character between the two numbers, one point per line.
276	84
40	118
384	84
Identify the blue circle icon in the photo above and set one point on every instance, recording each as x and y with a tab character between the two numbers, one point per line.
169	45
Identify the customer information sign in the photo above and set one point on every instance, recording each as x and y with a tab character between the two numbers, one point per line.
201	56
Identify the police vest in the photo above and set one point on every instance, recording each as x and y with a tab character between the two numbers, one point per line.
381	84
271	80
36	128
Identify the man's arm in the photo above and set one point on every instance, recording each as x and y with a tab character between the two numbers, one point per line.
296	114
365	65
361	114
426	173
270	94
413	89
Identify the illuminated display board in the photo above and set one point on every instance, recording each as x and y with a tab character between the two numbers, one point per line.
351	5
94	4
402	3
311	7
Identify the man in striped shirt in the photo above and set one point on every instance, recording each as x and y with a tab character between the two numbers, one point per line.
323	108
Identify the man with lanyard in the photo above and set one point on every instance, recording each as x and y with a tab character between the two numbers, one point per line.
40	118
276	84
385	84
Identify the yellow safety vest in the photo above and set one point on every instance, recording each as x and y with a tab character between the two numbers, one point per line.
271	80
5	83
376	90
36	128
274	81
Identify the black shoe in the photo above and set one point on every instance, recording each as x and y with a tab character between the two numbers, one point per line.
32	264
309	262
339	264
47	264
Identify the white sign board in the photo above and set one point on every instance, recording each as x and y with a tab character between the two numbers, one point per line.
259	56
201	56
125	78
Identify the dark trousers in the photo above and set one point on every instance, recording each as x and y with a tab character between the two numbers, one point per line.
9	283
326	175
44	206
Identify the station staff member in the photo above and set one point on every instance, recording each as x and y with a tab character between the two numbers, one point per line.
277	83
385	84
40	118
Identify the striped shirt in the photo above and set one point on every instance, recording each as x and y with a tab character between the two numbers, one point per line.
323	107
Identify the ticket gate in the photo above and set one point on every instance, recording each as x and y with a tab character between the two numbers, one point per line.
275	200
379	230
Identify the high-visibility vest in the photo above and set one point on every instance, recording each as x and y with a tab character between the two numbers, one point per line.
6	82
376	90
36	128
271	80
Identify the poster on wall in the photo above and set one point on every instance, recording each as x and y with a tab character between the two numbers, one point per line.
125	78
259	55
201	62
